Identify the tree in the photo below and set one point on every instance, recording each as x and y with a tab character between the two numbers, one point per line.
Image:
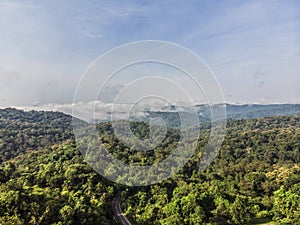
286	206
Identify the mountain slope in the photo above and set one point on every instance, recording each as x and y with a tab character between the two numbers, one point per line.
22	131
54	186
255	177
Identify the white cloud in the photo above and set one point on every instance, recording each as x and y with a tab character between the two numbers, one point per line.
101	111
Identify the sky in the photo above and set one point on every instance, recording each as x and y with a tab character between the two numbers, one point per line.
253	47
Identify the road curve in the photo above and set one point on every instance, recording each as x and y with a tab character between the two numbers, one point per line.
118	211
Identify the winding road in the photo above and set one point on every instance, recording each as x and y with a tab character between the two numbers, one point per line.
118	211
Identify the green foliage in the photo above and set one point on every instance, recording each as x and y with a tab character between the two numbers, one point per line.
286	208
257	158
21	131
54	187
44	179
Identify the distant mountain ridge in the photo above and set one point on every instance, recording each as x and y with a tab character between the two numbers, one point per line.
245	111
257	111
171	115
21	130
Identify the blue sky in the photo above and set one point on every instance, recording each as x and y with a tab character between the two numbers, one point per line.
253	47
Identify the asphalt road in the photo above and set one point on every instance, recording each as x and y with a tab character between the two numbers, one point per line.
118	211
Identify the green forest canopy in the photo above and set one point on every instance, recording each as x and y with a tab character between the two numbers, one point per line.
45	180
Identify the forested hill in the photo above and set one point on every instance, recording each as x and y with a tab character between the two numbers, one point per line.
255	178
44	118
22	131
